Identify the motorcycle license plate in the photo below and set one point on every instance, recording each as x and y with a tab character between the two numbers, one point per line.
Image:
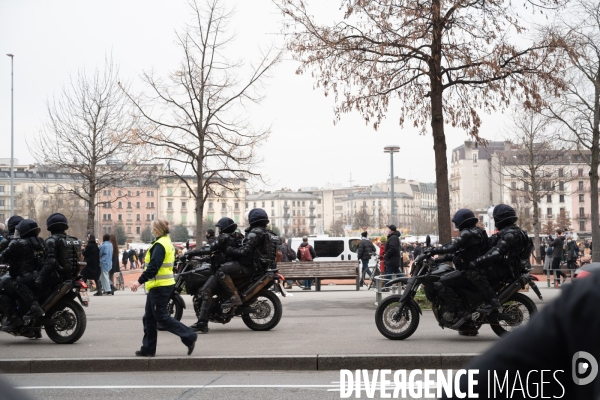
84	296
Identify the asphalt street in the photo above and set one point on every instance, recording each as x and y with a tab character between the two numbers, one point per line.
334	321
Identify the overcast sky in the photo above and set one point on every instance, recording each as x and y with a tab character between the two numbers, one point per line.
52	40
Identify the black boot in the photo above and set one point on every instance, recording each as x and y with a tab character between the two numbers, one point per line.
202	324
235	299
35	311
461	316
492	306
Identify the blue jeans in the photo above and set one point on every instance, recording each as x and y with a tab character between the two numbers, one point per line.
365	271
307	283
156	312
105	281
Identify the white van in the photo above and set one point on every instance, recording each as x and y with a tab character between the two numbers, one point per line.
331	248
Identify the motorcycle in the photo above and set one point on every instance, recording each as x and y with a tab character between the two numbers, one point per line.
64	321
261	309
397	317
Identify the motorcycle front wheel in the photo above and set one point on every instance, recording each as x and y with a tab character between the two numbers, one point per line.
394	326
521	308
69	322
174	309
267	311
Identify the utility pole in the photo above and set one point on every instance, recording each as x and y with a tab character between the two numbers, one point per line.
392	149
351	201
12	137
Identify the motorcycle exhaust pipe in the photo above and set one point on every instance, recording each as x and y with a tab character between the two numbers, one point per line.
257	286
510	290
58	294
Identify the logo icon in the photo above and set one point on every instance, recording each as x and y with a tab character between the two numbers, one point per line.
584	368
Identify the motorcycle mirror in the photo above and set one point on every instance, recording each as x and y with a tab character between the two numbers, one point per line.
428	241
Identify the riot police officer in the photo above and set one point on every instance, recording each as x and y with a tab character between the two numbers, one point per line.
258	252
226	229
12	225
25	255
505	253
471	243
64	252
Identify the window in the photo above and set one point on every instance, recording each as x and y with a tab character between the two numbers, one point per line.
120	217
561	186
582	225
120	193
138	217
247	205
272	204
120	205
183	194
549	198
581	211
210	206
149	204
263	204
128	217
293	211
169	205
474	157
183	219
580	187
581	199
303	204
183	205
128	204
254	205
129	230
106	192
236	206
137	205
561	198
149	194
549	212
137	230
561	172
272	213
526	186
580	172
303	214
170	217
1	189
30	189
224	206
105	205
169	191
129	194
223	193
137	193
513	199
147	217
329	248
293	204
45	189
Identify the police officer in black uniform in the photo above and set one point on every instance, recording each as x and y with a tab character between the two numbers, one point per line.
25	255
226	229
64	252
471	243
257	253
12	225
505	253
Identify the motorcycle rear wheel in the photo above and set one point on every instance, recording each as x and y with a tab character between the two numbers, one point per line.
519	305
174	309
267	312
405	326
70	322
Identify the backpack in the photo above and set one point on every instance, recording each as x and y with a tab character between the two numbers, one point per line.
268	254
528	247
68	254
305	253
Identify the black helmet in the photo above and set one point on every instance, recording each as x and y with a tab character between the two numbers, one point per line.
504	215
226	225
258	215
464	218
12	223
27	228
57	222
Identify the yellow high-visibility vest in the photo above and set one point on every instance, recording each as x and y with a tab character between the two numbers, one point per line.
164	277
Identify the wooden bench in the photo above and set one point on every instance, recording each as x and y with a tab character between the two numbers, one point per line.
319	270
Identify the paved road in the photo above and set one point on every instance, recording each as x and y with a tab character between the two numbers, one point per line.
182	385
333	321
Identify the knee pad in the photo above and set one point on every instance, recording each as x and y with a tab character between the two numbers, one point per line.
221	275
438	286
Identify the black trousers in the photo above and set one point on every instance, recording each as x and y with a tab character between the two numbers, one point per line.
156	312
236	270
556	267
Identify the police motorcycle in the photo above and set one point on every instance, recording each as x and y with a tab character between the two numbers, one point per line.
64	321
397	317
261	309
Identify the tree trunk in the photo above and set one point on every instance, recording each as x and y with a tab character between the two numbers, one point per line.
536	229
437	127
91	217
199	209
594	174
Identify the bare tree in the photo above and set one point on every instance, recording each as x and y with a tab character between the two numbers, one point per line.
195	120
420	225
579	109
456	54
534	168
361	219
337	228
87	133
563	221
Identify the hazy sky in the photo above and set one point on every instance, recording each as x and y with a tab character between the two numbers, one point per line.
52	40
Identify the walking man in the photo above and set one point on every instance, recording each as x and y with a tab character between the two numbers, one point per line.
365	250
305	254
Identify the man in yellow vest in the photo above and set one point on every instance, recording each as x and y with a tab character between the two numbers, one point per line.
159	280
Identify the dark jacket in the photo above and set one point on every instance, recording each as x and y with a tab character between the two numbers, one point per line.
313	254
115	263
131	254
417	251
392	251
365	249
91	255
572	250
557	245
287	252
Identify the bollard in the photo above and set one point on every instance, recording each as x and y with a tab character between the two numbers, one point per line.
378	294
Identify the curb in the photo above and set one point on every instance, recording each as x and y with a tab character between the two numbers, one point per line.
237	363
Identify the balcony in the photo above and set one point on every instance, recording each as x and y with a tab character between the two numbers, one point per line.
583	216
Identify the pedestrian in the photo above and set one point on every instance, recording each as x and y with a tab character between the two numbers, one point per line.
383	241
106	259
143	257
418	250
548	259
305	254
288	255
392	251
210	236
131	257
91	255
542	250
557	256
572	254
159	280
124	258
365	250
138	263
116	269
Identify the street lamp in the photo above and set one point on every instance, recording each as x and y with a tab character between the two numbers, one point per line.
392	149
12	135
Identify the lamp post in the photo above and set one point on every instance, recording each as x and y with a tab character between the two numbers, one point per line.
392	149
12	134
